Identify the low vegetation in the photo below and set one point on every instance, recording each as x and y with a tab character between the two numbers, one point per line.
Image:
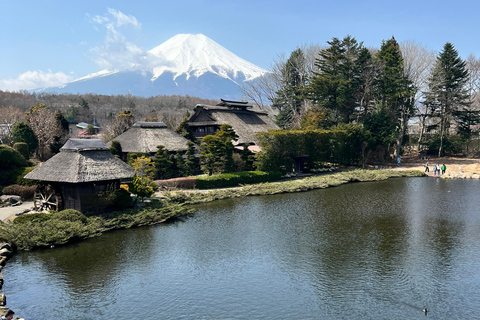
296	185
225	180
47	229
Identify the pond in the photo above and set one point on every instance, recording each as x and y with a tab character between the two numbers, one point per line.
379	250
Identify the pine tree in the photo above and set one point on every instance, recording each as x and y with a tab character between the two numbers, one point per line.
248	157
289	99
183	128
22	132
448	89
338	83
191	164
163	163
393	89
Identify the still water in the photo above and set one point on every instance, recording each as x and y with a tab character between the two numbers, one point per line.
382	250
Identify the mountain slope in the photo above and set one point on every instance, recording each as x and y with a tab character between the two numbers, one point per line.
185	64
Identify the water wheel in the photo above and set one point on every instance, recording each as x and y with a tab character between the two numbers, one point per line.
46	199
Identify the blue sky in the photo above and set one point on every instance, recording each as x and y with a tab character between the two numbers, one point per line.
47	42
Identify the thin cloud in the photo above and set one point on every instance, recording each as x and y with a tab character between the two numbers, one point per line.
117	52
35	80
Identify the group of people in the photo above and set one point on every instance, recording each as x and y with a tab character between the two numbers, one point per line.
437	169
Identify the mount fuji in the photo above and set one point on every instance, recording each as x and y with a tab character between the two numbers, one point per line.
190	64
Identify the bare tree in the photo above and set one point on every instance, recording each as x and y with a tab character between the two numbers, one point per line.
263	90
43	123
9	117
418	61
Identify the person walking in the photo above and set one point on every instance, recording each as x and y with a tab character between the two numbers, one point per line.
444	167
438	169
426	167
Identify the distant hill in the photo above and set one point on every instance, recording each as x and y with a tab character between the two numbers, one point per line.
185	64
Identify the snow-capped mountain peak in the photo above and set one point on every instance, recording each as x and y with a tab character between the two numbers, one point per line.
190	64
196	54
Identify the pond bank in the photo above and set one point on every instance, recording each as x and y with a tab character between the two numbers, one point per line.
296	185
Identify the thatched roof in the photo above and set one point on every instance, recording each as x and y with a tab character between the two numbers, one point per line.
82	160
246	123
146	136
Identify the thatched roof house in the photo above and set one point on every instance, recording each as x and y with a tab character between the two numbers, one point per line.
81	169
146	136
246	123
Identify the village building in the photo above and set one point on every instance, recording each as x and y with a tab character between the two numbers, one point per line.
206	120
79	130
144	137
73	178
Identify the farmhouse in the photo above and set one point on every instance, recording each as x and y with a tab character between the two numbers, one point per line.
207	120
146	136
73	178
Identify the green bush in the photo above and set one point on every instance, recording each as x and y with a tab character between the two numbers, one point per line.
10	158
26	192
69	215
19	173
22	148
236	178
120	199
33	217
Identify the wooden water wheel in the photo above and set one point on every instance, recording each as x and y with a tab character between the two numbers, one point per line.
46	199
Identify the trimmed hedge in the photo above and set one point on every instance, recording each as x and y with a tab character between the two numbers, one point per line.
340	145
10	158
22	148
236	178
26	192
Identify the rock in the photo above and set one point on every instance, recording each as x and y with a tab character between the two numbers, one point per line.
5	252
5	245
11	199
3	261
3	300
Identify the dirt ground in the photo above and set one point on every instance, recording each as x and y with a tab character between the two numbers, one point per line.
457	168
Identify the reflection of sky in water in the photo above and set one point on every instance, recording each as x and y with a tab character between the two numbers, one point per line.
359	251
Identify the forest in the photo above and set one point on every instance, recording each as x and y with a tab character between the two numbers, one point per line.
403	93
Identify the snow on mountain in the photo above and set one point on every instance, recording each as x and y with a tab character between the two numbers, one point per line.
190	64
196	54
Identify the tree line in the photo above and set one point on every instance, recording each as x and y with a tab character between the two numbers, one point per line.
382	89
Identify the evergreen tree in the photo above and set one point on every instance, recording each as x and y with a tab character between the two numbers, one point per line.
448	89
21	132
212	150
393	89
191	165
338	83
248	157
61	135
289	99
183	128
163	163
466	118
180	163
116	149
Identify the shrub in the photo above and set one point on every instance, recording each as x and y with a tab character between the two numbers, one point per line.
18	174
22	148
26	192
22	132
116	149
236	178
120	199
70	215
32	217
10	158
